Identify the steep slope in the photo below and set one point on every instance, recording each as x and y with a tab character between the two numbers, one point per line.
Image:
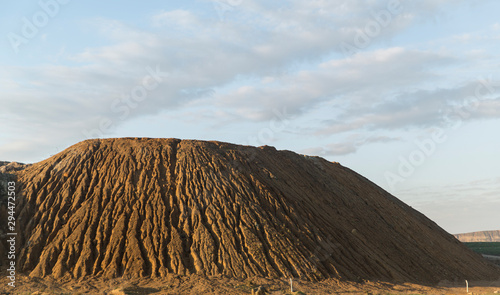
480	236
148	207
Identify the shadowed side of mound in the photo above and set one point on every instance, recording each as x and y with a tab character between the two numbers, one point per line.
152	207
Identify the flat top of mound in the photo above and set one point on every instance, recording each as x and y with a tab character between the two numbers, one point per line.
145	207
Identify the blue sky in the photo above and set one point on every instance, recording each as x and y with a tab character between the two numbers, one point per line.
405	93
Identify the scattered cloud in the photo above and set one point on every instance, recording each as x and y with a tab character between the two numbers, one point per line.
349	146
270	56
175	18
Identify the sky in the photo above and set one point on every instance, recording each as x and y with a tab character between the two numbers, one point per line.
405	93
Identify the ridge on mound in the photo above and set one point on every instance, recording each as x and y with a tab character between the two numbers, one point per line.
152	207
480	236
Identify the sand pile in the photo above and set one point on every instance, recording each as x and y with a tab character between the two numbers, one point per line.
152	207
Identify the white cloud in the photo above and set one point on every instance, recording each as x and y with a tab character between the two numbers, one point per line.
349	146
487	108
175	18
361	86
270	56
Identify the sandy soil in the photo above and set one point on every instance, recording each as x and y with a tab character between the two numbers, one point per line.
142	207
176	284
195	215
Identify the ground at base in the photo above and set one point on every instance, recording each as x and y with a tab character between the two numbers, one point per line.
221	285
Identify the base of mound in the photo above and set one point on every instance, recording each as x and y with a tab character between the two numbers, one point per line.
194	284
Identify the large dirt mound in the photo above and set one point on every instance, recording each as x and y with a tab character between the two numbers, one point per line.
480	236
149	207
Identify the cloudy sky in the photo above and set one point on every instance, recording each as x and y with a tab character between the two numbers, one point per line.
404	92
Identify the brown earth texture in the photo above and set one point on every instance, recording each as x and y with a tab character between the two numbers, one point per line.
184	212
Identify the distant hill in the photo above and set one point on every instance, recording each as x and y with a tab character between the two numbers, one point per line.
480	236
8	167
